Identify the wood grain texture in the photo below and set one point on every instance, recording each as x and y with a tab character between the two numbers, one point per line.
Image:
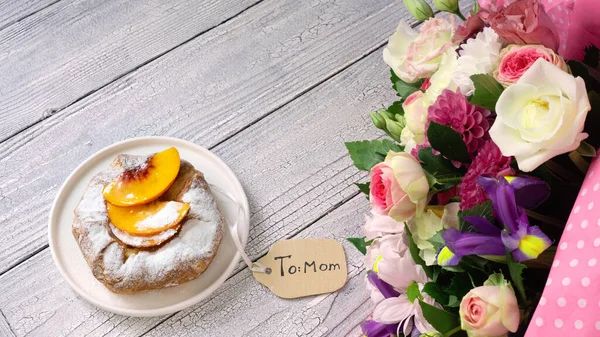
198	93
12	11
74	47
240	307
5	329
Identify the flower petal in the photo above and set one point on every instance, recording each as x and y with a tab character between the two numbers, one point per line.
503	200
481	225
374	329
530	192
463	243
393	310
531	245
385	289
446	258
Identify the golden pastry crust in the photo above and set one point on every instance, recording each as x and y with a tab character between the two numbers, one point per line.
183	257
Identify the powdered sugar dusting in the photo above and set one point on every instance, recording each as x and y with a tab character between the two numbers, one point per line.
167	215
194	242
143	241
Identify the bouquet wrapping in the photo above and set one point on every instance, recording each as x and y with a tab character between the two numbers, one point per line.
481	169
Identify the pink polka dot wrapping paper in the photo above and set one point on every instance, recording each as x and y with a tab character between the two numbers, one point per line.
570	302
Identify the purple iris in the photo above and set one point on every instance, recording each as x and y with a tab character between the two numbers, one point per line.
371	328
374	329
510	196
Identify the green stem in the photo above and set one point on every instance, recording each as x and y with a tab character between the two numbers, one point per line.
566	174
452	332
459	14
578	160
449	180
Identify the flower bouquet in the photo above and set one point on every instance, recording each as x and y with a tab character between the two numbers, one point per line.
487	148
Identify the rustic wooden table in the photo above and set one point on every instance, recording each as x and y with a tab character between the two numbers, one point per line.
273	87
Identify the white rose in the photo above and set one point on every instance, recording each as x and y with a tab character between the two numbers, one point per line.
541	116
424	227
413	55
442	79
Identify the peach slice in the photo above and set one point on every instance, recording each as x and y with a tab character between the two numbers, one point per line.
147	219
146	182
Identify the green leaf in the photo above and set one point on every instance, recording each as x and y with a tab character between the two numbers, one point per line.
360	244
412	292
436	292
592	56
496	279
454	269
453	302
396	109
586	150
487	91
436	273
437	241
364	188
475	8
449	142
438	166
482	210
459	286
368	153
516	274
403	89
443	321
414	253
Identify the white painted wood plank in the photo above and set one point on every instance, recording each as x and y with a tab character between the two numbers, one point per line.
12	11
5	329
209	89
241	307
350	326
73	47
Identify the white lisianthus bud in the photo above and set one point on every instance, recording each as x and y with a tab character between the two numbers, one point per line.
419	9
450	6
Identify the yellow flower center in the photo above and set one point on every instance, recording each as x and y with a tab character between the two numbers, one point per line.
534	111
532	246
445	256
376	263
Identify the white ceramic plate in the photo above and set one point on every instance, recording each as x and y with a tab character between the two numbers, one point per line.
72	265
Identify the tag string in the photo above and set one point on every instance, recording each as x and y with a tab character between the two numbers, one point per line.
233	230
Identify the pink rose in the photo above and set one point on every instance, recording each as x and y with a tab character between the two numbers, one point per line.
489	311
398	186
523	22
413	56
514	61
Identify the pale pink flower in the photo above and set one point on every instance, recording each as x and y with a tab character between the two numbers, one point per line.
489	311
398	187
515	60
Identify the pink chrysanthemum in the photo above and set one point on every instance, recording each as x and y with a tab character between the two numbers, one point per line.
472	122
489	161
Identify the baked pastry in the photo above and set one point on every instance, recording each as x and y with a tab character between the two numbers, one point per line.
135	259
